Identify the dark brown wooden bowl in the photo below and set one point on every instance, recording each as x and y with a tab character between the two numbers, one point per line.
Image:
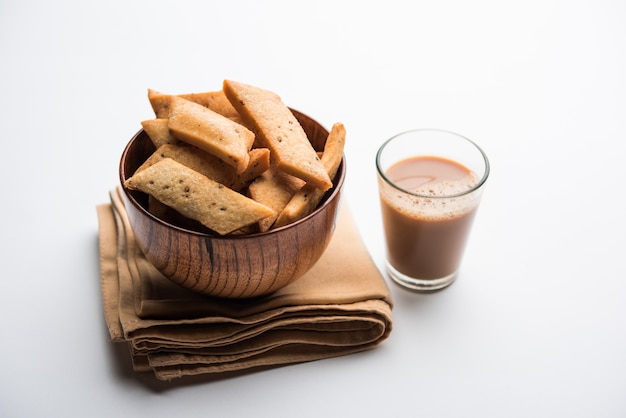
239	266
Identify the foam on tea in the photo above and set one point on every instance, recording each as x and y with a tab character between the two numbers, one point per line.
431	177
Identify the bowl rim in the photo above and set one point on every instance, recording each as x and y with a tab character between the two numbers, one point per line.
338	181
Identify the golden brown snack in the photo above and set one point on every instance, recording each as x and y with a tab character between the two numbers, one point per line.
259	163
211	166
197	197
279	130
214	100
158	132
172	216
210	131
305	200
160	103
333	149
274	189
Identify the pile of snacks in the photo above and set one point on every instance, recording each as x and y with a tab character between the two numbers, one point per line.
235	160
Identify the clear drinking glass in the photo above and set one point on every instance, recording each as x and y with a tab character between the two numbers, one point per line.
430	183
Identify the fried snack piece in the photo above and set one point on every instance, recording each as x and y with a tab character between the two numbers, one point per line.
158	132
214	100
172	216
305	200
274	189
211	166
279	130
210	131
259	163
160	103
197	197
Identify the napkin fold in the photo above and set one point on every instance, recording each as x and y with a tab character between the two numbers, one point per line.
341	306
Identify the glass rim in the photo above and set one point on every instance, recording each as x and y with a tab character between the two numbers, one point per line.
472	189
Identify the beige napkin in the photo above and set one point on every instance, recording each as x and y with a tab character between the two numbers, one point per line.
341	306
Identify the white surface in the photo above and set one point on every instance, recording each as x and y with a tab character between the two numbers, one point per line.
535	325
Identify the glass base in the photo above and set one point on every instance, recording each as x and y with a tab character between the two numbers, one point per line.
418	285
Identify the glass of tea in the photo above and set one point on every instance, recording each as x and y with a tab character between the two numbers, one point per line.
430	183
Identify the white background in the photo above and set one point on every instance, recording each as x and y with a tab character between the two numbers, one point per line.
536	323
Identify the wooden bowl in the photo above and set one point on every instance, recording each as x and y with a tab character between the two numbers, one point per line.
239	266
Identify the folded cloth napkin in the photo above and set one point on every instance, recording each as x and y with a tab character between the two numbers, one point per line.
341	306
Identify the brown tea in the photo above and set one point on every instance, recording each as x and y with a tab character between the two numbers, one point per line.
426	229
